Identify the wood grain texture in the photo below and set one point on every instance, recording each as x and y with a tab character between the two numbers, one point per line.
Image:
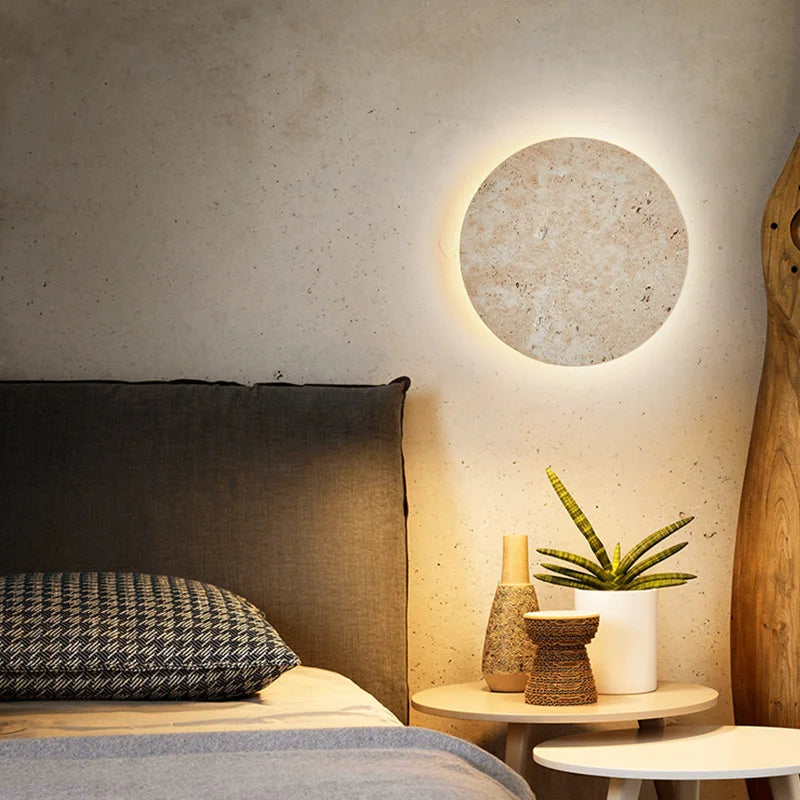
765	601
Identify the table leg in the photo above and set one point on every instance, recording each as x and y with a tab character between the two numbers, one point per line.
518	746
785	787
623	788
657	722
686	790
664	789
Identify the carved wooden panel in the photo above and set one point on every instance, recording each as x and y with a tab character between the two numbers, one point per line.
765	608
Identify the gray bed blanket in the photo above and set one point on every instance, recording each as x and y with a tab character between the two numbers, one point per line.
329	764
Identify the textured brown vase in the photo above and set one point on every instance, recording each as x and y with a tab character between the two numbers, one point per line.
765	603
507	650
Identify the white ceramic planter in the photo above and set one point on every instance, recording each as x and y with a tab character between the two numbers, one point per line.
624	652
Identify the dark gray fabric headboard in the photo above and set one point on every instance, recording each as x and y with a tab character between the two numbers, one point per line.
292	496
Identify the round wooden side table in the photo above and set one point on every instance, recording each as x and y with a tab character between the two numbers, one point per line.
474	701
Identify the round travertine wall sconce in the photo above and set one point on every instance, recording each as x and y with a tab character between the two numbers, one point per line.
573	251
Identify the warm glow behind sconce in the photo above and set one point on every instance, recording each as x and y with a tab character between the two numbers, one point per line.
573	251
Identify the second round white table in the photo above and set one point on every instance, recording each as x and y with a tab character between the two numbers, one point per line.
682	754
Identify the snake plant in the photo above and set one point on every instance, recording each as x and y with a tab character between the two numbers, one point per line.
617	572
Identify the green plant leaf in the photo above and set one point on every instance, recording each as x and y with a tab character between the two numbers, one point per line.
660	580
655	584
573	584
589	566
651	541
650	562
615	559
580	520
585	577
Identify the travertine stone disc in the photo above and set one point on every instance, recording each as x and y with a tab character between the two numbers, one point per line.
574	251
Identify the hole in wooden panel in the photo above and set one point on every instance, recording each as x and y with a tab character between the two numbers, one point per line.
794	229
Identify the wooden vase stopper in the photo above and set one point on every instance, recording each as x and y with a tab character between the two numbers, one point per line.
515	559
765	600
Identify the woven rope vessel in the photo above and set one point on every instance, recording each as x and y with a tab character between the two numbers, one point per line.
562	674
507	650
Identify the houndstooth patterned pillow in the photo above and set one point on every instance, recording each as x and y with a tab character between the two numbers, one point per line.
129	636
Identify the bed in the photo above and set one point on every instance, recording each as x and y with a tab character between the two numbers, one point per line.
275	511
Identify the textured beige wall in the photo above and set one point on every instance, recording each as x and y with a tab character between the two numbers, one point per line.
262	190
